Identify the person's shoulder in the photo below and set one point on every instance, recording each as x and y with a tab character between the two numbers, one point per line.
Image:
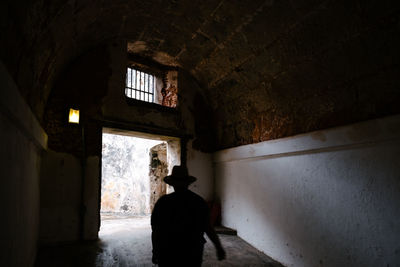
197	197
164	198
167	196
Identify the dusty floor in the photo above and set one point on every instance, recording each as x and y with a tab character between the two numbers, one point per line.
126	242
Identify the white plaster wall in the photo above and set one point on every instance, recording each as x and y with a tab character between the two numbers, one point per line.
200	166
327	198
21	143
91	198
60	186
61	195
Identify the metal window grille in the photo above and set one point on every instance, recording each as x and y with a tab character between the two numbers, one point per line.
139	85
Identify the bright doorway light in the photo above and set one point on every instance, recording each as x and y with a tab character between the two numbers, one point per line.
125	175
133	166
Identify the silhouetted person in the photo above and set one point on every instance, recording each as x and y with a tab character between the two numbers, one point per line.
179	221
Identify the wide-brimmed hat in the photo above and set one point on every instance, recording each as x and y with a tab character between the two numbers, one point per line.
179	176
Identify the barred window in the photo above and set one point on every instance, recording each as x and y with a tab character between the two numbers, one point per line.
139	85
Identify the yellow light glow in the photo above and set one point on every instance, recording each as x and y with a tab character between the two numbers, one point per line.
73	116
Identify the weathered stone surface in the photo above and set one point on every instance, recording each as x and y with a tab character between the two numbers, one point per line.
82	86
170	90
158	170
291	66
126	185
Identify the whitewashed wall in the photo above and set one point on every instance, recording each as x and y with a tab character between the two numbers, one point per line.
22	141
327	198
200	166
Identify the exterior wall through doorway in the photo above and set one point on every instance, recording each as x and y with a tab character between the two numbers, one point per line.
125	186
158	170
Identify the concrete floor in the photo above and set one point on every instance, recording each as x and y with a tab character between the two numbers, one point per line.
126	242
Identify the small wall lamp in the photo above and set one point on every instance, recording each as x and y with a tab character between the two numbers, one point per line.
73	116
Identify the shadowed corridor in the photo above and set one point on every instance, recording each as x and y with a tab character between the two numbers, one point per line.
287	112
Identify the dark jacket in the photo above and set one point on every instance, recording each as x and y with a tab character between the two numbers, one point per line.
178	222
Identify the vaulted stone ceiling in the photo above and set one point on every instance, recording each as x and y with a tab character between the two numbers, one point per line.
269	68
